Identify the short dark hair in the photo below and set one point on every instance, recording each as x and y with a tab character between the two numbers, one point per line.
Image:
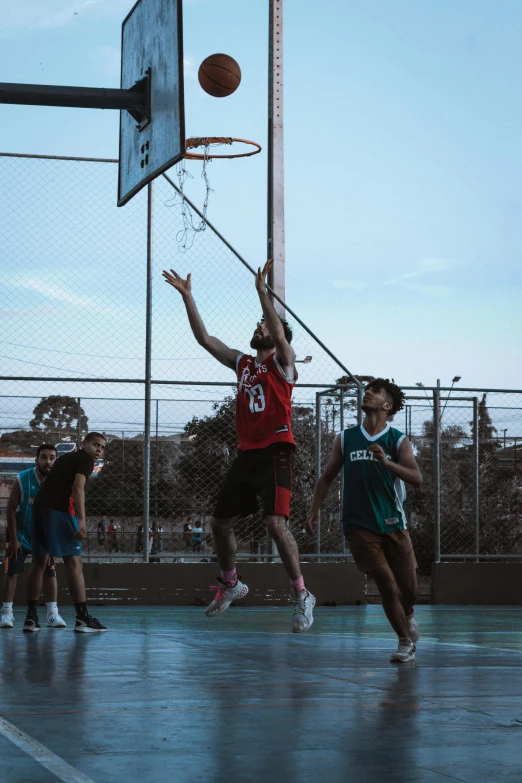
286	327
394	392
44	447
93	435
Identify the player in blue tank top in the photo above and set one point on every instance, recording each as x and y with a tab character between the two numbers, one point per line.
19	538
377	461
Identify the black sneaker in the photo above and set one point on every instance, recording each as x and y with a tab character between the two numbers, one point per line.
31	625
89	625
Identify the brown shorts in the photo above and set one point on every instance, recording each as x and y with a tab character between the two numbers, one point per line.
371	550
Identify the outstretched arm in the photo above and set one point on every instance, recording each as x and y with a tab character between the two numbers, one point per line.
335	464
284	351
220	351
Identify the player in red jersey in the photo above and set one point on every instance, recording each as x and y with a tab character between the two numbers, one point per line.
263	466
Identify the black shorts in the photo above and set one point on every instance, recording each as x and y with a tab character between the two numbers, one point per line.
258	473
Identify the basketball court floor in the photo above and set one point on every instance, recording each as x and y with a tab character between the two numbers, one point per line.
167	694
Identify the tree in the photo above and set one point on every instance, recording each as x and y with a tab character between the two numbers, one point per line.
118	488
58	415
487	437
16	441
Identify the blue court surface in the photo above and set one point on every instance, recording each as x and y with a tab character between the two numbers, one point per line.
168	695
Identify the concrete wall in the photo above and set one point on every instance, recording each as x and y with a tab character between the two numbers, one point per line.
185	584
477	583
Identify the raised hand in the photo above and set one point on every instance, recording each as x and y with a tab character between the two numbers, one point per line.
177	282
378	453
13	548
261	276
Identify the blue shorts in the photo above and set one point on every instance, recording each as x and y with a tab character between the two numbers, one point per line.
54	533
13	567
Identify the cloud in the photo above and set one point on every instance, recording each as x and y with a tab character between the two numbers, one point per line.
62	295
428	266
352	285
49	14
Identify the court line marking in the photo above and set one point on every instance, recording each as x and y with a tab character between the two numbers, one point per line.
56	765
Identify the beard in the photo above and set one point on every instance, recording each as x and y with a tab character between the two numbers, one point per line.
367	408
261	343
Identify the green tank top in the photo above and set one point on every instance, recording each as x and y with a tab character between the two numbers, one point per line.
373	497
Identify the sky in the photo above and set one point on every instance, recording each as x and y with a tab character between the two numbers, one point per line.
403	162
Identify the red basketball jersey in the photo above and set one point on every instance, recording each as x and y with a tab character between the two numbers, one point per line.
264	403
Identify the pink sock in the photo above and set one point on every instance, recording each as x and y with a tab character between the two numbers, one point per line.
229	576
298	584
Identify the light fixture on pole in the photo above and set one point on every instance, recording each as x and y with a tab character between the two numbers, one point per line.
306	360
455	380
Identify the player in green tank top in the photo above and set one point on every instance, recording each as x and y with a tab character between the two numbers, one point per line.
377	461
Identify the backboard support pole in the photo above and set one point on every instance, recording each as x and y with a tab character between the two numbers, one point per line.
276	183
135	100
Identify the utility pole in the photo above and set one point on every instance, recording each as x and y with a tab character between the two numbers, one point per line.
276	182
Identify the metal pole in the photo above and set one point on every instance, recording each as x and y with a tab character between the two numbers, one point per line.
360	394
341	481
156	470
276	185
436	472
136	101
148	377
79	425
476	477
318	462
122	507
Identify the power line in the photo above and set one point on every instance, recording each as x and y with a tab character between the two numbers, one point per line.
104	356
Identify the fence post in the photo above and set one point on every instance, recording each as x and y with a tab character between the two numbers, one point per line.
148	379
341	481
156	469
436	473
360	393
318	462
476	477
79	426
122	506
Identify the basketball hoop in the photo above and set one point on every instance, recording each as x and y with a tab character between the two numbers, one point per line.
218	141
192	226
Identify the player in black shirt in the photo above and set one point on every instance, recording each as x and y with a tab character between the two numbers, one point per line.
59	527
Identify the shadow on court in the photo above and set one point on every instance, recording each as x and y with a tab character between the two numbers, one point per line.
167	694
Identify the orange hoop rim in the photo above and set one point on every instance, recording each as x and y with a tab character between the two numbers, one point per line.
204	141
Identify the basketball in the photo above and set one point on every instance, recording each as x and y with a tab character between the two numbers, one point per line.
219	75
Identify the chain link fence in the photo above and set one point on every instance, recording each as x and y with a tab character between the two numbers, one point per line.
73	359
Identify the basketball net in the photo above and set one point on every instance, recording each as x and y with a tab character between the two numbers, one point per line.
192	223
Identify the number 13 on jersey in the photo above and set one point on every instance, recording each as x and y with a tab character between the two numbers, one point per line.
257	398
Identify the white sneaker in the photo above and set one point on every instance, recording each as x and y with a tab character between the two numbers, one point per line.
55	620
405	652
7	620
304	603
413	627
224	596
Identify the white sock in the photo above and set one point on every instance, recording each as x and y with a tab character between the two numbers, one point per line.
52	608
7	607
